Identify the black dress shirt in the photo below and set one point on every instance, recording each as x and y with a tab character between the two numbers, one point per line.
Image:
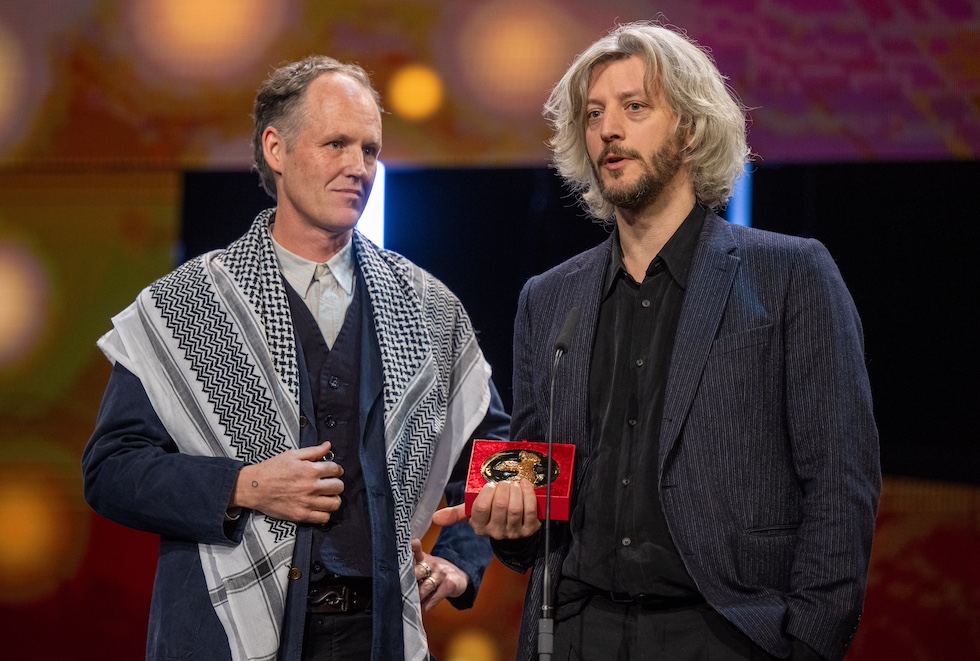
620	541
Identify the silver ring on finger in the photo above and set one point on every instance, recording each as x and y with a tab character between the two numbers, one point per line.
425	568
431	580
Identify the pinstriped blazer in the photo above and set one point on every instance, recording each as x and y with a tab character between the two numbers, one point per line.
768	467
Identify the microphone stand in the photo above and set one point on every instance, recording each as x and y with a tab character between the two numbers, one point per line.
546	623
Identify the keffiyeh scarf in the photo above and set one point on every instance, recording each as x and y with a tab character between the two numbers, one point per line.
213	345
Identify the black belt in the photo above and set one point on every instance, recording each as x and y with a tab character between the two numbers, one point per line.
339	595
652	602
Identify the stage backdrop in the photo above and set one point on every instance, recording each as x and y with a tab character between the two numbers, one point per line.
114	114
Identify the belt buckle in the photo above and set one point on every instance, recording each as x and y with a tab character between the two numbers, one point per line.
622	598
336	598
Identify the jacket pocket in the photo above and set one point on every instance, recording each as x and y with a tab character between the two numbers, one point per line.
766	556
773	531
743	339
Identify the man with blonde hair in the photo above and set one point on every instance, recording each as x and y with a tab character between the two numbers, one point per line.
727	473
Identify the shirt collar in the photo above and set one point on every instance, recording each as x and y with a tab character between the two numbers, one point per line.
302	272
677	254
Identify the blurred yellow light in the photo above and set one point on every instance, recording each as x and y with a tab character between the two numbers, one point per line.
415	92
514	52
45	533
472	645
29	533
205	40
23	300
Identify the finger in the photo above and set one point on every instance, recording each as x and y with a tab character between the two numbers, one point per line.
329	469
417	550
314	452
427	588
328	503
316	517
531	522
450	516
501	508
483	508
329	486
432	600
515	507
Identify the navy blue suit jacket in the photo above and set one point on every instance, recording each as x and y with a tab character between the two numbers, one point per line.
768	468
135	476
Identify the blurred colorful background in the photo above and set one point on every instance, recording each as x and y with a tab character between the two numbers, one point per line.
124	149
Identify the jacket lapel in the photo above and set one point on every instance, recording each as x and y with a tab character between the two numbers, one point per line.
712	274
372	371
585	293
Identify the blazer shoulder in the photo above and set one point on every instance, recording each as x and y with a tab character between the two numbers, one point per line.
753	237
752	242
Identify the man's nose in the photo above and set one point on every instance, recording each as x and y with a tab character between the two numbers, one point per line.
611	127
355	164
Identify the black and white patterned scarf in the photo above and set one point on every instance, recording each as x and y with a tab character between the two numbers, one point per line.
213	345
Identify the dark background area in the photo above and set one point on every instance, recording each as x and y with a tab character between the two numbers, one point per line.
900	232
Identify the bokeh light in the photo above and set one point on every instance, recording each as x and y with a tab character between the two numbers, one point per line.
513	53
415	92
218	40
24	300
472	645
44	536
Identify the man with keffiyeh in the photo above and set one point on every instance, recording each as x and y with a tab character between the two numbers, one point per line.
287	413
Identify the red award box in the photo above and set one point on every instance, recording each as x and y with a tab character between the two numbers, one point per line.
499	461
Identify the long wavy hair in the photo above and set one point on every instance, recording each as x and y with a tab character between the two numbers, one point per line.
691	83
282	93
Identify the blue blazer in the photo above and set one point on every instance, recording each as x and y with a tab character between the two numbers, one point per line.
135	476
768	468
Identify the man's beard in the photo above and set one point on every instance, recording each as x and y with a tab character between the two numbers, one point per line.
663	166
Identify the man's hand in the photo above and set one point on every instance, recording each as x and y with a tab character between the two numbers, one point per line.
502	510
437	578
297	485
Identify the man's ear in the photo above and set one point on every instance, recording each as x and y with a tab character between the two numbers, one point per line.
273	148
688	137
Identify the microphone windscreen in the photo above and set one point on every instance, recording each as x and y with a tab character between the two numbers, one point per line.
567	330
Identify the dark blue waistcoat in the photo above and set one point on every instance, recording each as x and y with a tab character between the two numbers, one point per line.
345	543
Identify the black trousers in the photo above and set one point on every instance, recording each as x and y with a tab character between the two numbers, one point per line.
611	631
338	636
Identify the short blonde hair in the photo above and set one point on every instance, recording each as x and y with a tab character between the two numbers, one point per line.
691	84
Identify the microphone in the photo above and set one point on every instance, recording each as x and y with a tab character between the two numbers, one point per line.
565	336
546	624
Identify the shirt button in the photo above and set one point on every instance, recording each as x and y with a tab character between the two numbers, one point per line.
626	481
645	302
295	574
303	422
334	382
321	270
627	541
632	422
317	567
331	421
639	362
